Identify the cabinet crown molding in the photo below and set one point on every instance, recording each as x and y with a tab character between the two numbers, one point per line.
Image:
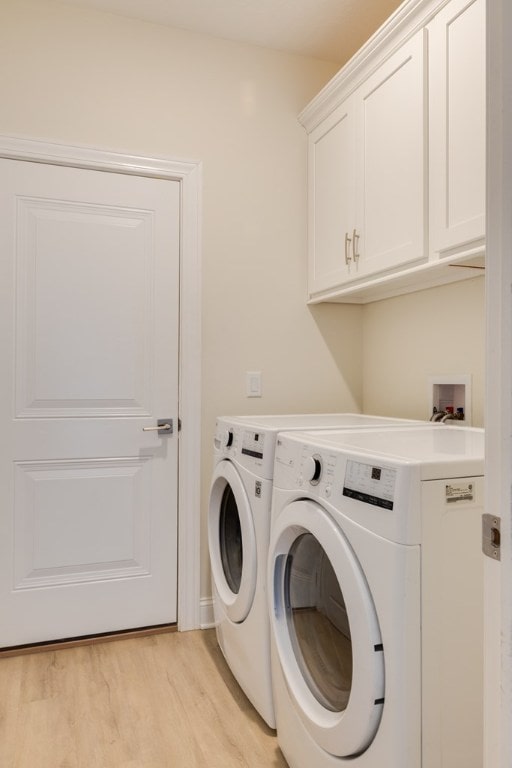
408	19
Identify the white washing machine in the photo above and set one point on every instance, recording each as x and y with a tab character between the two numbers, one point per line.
238	536
375	598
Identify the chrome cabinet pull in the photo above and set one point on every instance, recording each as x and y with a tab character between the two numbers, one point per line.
355	242
348	240
164	426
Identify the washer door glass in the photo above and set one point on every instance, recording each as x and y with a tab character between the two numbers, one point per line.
326	630
232	542
318	623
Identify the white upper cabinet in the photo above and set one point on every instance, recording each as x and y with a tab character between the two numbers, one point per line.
332	209
396	166
457	126
367	175
391	152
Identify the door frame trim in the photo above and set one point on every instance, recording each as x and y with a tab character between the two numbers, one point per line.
189	174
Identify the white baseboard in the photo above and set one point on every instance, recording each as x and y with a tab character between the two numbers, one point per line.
206	613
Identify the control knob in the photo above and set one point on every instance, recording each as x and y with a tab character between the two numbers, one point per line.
313	469
228	438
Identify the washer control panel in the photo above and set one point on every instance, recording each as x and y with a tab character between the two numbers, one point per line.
253	443
245	445
332	475
370	483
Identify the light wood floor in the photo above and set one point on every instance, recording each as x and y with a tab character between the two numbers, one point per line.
166	701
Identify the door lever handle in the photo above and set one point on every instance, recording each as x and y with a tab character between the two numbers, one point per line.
164	426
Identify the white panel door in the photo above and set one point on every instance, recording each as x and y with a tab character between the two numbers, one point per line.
89	286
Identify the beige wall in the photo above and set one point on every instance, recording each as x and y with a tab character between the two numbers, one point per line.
82	77
77	76
431	333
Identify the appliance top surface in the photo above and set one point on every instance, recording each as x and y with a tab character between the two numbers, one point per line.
438	449
278	423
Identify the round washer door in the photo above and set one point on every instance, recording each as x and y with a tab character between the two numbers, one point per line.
326	630
232	542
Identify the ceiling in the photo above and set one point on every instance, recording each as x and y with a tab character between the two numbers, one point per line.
325	29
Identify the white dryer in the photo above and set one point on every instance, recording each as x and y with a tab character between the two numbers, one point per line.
375	597
238	537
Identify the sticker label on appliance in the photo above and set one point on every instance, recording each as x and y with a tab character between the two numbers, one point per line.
459	491
370	484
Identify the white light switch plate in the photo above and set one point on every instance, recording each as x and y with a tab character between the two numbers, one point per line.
253	383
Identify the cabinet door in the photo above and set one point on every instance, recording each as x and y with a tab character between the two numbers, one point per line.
391	163
457	125
331	175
